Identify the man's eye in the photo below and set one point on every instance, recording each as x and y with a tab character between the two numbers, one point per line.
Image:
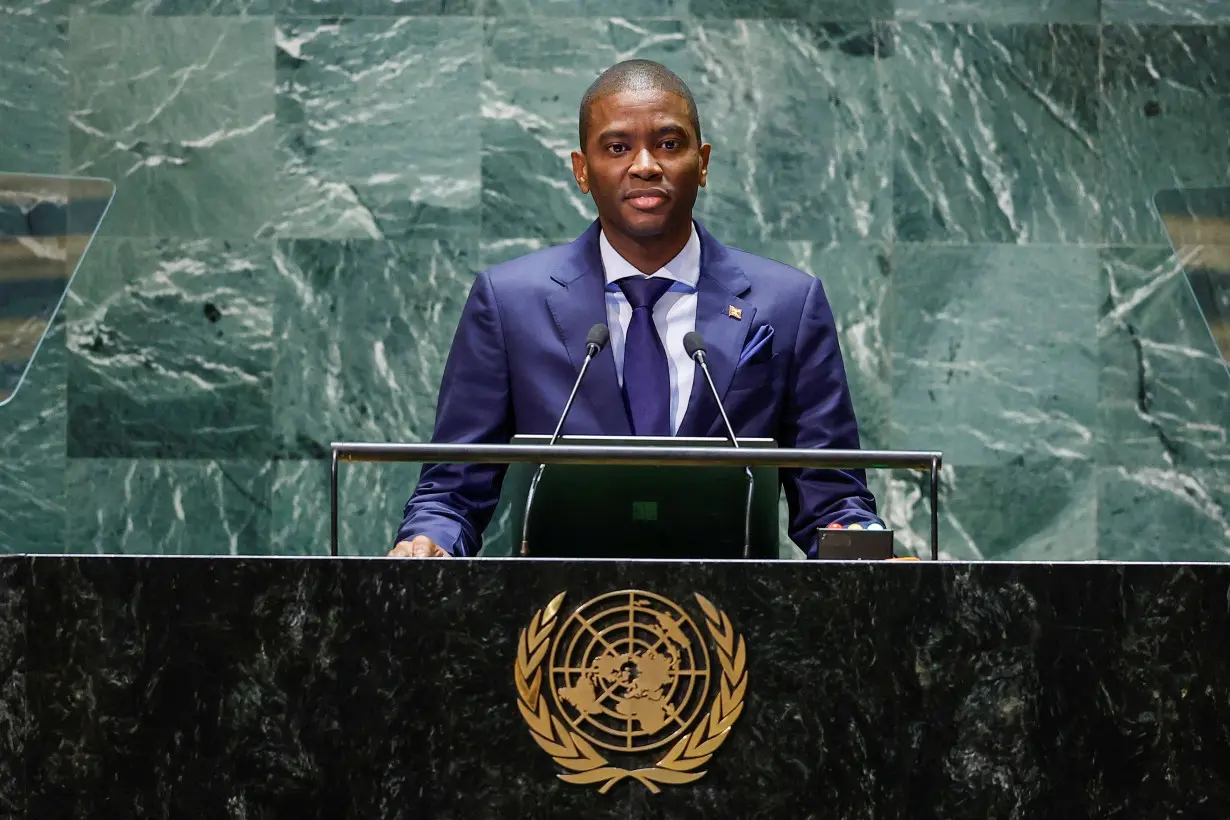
670	145
617	148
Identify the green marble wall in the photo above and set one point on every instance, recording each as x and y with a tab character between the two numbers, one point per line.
306	188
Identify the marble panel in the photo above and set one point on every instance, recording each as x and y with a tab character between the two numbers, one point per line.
371	500
1165	103
34	86
385	688
378	127
172	350
381	8
555	9
14	578
1186	12
32	454
994	352
363	329
1044	510
226	719
1163	514
38	9
177	8
178	111
165	507
823	11
1163	387
996	134
795	114
998	11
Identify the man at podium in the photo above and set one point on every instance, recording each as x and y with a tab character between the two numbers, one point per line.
652	275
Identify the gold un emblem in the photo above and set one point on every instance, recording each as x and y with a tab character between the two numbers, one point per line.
629	674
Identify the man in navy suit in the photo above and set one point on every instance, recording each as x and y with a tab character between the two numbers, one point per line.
648	271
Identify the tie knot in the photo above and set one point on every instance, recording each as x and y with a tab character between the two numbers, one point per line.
644	291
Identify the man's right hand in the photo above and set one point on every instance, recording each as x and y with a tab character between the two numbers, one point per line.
418	547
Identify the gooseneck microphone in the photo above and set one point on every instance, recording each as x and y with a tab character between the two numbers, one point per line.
694	346
595	340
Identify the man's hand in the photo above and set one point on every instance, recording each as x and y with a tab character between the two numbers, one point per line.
418	547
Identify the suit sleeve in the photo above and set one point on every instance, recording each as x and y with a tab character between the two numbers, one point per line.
453	503
819	414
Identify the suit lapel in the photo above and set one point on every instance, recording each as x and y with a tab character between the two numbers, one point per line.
721	287
576	306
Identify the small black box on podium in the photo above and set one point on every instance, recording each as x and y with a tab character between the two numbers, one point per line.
853	545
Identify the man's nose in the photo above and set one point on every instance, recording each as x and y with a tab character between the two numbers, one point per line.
644	166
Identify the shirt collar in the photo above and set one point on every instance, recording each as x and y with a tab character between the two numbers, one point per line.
684	268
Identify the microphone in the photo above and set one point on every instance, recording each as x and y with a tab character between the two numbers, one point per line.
595	340
694	346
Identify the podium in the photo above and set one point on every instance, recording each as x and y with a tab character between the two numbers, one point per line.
655	455
388	688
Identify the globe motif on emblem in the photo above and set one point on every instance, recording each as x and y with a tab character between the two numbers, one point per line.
629	671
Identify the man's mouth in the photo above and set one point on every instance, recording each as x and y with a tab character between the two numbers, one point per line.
646	199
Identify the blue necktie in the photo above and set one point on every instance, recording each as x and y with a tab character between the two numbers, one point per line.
647	382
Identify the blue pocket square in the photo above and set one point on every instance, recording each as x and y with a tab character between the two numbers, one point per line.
756	344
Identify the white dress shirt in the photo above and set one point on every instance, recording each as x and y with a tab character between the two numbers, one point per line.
674	316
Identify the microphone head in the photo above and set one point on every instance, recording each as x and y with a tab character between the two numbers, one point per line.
598	336
693	343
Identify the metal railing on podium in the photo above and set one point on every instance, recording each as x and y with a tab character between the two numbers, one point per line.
680	456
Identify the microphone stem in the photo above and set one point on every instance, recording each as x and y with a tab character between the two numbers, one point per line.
529	502
747	514
704	368
572	396
730	431
529	496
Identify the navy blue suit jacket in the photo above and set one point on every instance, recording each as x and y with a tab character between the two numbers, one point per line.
521	341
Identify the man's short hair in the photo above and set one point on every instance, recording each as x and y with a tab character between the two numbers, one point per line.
636	75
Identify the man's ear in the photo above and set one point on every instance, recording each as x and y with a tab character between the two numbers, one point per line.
580	170
704	163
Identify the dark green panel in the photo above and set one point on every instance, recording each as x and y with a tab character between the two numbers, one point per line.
996	133
363	329
377	127
1187	12
32	510
999	11
809	10
148	507
171	350
1162	387
1045	510
34	86
1152	514
994	352
794	112
1165	105
179	113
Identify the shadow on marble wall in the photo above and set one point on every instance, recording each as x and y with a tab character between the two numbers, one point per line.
304	199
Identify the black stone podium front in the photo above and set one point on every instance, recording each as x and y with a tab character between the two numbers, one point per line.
376	688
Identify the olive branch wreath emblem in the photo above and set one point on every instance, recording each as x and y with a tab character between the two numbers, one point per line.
681	764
